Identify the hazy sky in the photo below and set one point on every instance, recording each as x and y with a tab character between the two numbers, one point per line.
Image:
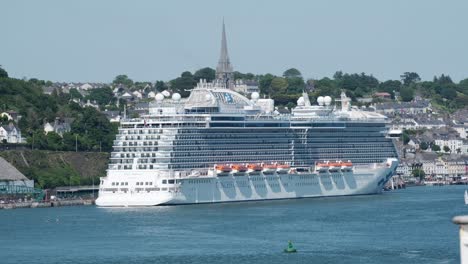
90	40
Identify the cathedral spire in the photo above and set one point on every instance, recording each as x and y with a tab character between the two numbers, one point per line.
224	71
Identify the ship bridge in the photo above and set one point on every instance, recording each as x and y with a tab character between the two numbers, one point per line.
213	98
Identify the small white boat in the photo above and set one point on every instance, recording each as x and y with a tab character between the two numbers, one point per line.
466	197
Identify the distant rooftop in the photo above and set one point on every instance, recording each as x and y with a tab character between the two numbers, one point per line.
9	173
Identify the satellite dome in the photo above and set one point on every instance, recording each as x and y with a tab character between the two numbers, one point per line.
208	97
327	100
166	93
159	97
176	96
320	100
300	101
254	96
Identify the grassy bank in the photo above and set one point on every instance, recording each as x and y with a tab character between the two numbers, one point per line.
56	168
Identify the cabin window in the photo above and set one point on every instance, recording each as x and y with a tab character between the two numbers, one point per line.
113	183
171	181
137	183
164	181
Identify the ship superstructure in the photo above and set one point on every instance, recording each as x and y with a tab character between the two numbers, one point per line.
220	146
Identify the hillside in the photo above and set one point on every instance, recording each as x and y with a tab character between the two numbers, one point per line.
55	168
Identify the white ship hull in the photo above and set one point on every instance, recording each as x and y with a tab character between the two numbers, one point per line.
204	189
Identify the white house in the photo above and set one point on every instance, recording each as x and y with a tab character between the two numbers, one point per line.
138	94
10	133
151	94
86	87
246	87
89	104
59	126
453	143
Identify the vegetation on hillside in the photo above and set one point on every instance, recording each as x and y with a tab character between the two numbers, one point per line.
90	130
50	169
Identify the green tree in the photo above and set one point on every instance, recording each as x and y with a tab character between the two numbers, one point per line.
292	73
462	86
405	138
390	86
435	147
409	78
423	146
446	148
418	173
94	130
102	96
123	79
406	94
449	93
243	76
295	85
160	86
205	73
54	141
3	73
184	83
278	85
75	94
265	83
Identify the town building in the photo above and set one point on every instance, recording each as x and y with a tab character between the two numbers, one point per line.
454	143
383	95
413	107
10	134
246	86
12	181
60	126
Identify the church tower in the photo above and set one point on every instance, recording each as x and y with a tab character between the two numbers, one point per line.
224	71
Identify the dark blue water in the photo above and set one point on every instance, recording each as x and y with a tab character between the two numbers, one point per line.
407	226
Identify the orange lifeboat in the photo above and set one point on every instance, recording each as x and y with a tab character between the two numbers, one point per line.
322	167
254	168
347	166
282	168
238	168
269	168
223	169
334	166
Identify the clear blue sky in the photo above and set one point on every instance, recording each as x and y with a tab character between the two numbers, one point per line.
90	40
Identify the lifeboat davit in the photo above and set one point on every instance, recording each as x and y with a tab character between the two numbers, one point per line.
282	168
238	169
254	168
223	169
269	168
347	166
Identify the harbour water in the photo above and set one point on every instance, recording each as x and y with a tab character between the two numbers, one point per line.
405	226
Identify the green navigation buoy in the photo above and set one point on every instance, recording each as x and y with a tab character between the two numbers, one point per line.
290	248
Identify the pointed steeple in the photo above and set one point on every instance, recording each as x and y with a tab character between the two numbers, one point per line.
224	70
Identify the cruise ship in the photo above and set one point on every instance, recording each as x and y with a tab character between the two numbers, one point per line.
219	145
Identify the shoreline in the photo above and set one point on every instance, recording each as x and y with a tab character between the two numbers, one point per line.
76	202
